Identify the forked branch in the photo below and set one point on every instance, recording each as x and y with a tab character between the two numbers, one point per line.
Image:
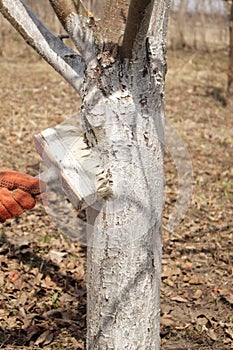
137	23
78	30
64	60
145	19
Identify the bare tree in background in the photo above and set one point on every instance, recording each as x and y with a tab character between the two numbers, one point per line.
198	24
118	70
230	64
181	18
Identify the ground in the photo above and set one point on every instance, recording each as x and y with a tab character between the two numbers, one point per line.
42	276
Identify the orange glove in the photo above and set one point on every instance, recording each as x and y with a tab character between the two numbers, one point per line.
17	193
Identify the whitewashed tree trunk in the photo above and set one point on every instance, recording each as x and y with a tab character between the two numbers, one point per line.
123	116
124	257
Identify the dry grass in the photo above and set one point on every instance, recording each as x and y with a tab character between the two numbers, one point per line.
203	34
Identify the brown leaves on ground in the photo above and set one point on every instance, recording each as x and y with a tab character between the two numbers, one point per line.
41	299
197	278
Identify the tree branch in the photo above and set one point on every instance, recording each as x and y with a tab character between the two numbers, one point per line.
145	19
158	20
136	15
113	21
78	29
64	60
63	9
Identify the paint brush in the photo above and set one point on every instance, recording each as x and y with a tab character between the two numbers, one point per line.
69	158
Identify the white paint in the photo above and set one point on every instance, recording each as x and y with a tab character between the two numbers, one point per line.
28	25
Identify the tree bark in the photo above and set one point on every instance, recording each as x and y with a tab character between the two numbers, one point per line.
125	247
136	15
123	118
113	21
124	252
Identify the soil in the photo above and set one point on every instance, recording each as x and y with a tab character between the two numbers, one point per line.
42	275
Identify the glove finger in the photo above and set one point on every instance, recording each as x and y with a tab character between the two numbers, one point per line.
9	203
4	213
13	180
25	200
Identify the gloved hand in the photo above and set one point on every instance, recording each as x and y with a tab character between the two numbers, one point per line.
17	193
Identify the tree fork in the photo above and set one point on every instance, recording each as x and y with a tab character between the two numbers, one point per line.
136	15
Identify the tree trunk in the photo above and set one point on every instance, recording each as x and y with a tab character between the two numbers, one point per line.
182	16
125	247
230	66
124	252
122	89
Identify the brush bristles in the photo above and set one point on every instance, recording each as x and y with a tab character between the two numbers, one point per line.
88	158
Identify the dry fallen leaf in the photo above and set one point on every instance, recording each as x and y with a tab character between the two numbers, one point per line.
169	282
211	333
197	294
227	295
47	282
2	278
14	276
170	271
45	338
229	332
56	256
32	330
179	299
195	280
202	320
166	321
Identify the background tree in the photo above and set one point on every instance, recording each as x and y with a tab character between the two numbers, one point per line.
181	22
118	70
230	65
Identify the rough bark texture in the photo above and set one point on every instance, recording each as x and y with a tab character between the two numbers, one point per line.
125	245
136	15
123	117
63	9
115	12
124	253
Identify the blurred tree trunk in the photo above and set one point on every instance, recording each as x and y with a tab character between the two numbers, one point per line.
204	25
119	74
230	66
182	17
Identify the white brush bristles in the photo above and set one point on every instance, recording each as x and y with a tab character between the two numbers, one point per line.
88	158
